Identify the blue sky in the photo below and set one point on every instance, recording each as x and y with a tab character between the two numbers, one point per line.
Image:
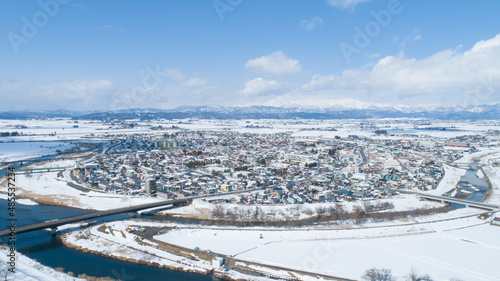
101	55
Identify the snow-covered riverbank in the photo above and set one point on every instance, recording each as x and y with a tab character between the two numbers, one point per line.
27	269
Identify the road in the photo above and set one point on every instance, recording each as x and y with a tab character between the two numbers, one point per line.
93	215
363	155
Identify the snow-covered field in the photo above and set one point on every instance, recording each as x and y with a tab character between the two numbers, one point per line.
460	248
15	151
60	129
27	269
445	246
64	128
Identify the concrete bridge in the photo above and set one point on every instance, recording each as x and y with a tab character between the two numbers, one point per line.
40	170
53	224
444	199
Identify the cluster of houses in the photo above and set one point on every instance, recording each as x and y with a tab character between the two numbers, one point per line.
286	169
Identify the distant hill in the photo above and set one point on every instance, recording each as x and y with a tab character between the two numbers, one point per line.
270	112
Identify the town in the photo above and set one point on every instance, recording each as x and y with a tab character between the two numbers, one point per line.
284	169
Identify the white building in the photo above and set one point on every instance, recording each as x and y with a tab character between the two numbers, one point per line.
217	262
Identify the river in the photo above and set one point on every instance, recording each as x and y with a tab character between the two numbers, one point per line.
480	189
50	251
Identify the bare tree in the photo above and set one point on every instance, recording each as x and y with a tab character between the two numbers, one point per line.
358	213
256	215
414	276
376	274
218	211
307	211
321	211
339	207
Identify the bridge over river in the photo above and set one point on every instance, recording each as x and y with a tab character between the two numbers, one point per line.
445	199
53	224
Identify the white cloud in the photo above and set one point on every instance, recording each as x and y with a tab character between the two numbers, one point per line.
312	23
174	73
195	82
461	76
276	63
345	4
55	95
416	35
260	85
72	90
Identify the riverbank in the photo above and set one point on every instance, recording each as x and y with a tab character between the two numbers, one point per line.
113	241
293	214
27	269
492	175
134	241
269	250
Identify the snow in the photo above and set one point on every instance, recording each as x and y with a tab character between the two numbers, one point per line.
442	255
201	209
30	270
445	249
15	151
63	129
445	246
452	176
493	174
480	174
21	201
112	243
469	157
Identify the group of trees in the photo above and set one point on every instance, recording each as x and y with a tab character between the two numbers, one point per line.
241	168
335	213
384	274
376	274
247	213
310	165
377	206
194	164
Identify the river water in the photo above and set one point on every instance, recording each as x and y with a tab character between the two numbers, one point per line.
480	187
50	251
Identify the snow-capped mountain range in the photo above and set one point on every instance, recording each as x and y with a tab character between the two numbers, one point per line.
334	109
